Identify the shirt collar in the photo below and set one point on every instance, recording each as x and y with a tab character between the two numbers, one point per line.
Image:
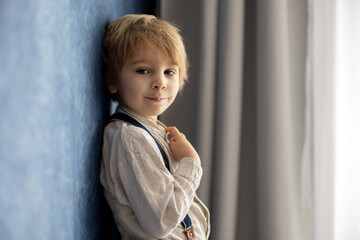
155	128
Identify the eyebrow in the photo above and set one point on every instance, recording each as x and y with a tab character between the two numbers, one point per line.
144	61
137	61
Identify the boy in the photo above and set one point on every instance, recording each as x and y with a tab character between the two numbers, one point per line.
149	181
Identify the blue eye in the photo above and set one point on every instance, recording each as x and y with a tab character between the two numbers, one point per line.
142	71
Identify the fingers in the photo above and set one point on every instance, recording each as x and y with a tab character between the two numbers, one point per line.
174	132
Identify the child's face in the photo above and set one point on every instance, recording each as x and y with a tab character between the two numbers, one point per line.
149	82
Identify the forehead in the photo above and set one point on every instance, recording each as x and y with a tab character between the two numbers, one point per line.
148	51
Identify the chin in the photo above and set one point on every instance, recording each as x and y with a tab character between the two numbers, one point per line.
156	113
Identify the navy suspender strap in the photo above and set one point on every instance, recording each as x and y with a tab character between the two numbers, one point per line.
127	118
186	223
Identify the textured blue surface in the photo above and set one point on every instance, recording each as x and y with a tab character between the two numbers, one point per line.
53	110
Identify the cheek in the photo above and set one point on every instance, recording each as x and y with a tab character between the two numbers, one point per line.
129	86
174	87
129	94
125	93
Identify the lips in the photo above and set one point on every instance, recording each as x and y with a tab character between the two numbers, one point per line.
156	99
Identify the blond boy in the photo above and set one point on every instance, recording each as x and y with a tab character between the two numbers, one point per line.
145	66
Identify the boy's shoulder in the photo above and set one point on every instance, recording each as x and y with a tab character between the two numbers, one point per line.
125	132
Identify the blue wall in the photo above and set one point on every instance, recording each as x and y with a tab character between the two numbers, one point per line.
53	108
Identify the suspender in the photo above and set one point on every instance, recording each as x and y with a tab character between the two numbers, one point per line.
126	118
186	223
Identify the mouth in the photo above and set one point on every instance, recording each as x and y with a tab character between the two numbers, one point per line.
157	99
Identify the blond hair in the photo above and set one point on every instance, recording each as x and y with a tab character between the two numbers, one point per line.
125	35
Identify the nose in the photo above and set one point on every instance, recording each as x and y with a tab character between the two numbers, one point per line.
159	83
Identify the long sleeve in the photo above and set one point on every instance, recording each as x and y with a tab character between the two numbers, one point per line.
134	174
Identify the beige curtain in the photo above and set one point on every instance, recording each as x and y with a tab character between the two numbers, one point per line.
321	77
248	111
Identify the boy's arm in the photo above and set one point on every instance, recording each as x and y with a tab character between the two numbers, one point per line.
159	199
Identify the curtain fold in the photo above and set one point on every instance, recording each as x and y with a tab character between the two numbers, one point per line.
244	110
281	45
321	77
227	127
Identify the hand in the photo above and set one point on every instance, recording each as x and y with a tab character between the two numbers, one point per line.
180	146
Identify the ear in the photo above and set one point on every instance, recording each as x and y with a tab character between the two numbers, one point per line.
112	88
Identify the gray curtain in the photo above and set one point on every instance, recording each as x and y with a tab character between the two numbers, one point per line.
244	109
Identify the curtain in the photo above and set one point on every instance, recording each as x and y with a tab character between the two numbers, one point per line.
248	110
321	88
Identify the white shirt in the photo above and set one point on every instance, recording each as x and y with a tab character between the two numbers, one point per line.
147	201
